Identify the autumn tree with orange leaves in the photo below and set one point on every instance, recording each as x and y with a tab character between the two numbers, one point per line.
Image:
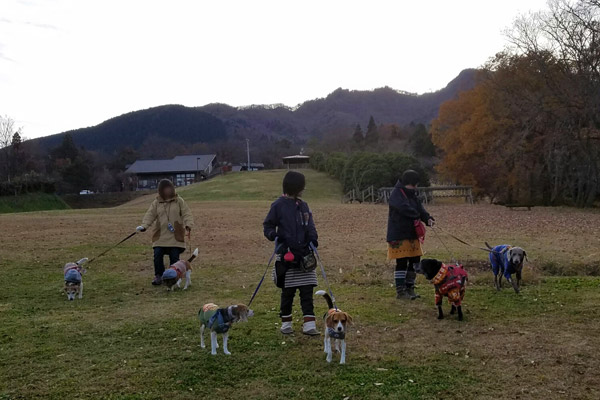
529	132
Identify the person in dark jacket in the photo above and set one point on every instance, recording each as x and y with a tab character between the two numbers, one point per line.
290	224
403	244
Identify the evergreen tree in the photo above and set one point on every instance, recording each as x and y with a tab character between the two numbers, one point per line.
358	136
372	136
421	142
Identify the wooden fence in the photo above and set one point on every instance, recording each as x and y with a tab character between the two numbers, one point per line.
426	194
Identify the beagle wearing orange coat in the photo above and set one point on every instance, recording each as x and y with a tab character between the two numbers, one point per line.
336	324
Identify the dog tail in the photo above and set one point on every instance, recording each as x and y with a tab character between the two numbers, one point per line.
326	296
194	255
488	246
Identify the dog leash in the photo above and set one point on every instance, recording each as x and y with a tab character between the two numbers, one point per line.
112	247
264	274
464	242
314	249
437	235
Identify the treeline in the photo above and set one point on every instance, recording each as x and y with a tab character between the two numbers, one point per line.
529	131
413	139
360	170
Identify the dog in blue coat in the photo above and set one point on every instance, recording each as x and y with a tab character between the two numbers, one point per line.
507	260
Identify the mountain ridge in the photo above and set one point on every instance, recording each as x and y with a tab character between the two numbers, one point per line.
339	111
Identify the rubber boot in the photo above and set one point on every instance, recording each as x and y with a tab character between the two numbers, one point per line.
286	325
310	326
402	294
411	277
410	293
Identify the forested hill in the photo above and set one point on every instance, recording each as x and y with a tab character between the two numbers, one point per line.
173	122
340	111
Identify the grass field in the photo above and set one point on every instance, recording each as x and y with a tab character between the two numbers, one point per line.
31	202
129	340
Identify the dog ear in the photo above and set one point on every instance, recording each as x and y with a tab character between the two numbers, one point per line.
525	255
329	320
348	318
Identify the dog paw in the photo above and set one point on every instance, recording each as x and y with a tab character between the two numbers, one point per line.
213	353
227	353
460	317
203	346
440	317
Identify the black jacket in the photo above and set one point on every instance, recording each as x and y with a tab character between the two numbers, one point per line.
403	210
291	221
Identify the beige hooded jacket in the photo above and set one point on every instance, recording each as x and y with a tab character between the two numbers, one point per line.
172	211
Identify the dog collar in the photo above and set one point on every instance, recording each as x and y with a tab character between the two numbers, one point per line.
335	334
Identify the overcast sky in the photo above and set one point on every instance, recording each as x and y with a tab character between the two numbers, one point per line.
66	64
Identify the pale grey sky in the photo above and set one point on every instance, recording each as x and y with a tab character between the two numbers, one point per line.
66	64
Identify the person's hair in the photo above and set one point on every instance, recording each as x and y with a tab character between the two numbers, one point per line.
410	177
293	183
163	184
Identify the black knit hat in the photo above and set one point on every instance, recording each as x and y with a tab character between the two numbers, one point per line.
293	183
410	177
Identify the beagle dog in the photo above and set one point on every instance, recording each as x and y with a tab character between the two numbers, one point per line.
336	325
219	320
507	260
73	281
173	275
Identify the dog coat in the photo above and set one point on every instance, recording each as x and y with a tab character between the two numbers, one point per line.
180	268
210	315
72	273
499	260
450	281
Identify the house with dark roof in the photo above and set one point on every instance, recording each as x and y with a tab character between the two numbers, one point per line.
181	170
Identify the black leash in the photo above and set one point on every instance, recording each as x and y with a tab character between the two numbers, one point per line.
314	249
264	274
109	249
437	235
462	241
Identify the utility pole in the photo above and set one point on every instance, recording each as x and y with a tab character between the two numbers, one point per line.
248	152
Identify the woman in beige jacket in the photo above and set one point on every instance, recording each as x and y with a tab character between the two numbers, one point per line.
173	220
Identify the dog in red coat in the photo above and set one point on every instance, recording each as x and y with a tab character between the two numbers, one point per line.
449	281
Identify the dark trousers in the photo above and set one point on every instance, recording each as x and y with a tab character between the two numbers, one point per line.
405	274
306	300
159	257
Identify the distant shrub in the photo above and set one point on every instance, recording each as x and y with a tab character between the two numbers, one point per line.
362	169
28	183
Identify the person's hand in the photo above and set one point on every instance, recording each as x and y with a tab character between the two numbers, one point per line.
140	229
431	222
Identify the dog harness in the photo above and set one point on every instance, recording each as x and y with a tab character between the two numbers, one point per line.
450	281
500	261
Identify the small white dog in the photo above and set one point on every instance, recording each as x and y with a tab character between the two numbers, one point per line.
336	324
219	320
73	281
173	275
